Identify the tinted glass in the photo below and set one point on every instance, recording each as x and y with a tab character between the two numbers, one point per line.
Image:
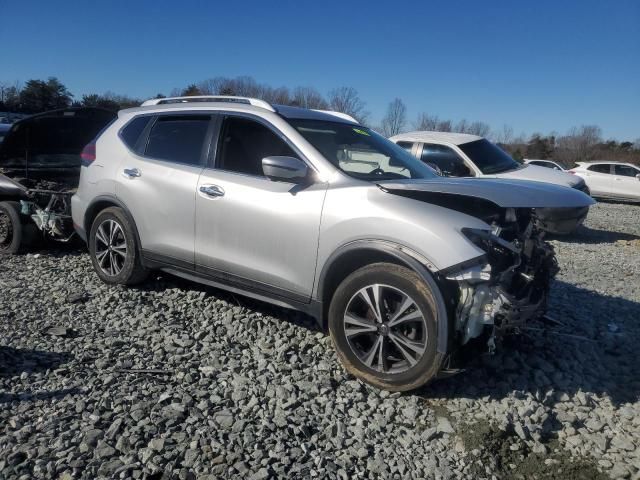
543	164
178	138
600	168
360	152
625	171
443	157
408	146
244	143
489	158
132	131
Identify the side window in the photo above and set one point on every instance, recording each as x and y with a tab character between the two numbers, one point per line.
178	138
408	146
244	143
448	161
131	132
625	171
544	164
600	168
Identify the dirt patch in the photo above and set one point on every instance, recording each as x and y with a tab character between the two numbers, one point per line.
497	451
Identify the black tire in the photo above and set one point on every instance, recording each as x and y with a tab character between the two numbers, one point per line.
15	233
395	370
122	263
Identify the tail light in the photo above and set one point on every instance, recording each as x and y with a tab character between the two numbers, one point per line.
571	172
88	154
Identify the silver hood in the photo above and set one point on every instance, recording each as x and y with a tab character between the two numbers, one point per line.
541	174
504	193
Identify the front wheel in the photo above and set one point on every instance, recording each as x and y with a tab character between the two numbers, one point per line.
383	323
15	233
113	249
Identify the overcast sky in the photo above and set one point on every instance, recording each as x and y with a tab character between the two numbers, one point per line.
538	66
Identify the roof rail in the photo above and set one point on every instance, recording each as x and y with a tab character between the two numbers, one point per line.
211	98
344	116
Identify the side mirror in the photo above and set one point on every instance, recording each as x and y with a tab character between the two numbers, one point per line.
638	176
284	169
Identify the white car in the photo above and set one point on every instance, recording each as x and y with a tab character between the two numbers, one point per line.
464	155
544	163
614	180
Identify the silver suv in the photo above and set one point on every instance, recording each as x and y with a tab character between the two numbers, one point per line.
312	211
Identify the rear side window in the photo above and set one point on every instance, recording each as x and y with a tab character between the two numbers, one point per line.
543	164
408	146
600	168
178	138
244	143
448	161
625	171
130	134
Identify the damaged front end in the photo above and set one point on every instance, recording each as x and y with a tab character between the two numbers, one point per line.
510	286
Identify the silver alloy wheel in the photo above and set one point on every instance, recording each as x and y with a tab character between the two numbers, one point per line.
385	329
110	247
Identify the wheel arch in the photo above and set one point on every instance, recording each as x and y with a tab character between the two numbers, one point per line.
358	254
99	204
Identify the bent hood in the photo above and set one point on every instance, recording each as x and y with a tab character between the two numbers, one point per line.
502	192
541	174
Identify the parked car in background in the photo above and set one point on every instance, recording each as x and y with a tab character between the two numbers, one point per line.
611	180
464	155
4	129
313	211
39	171
545	164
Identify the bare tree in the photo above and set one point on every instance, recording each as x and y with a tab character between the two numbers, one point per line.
426	122
503	137
308	97
578	145
347	100
395	119
479	128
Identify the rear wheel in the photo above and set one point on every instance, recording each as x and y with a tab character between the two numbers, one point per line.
14	234
383	322
114	252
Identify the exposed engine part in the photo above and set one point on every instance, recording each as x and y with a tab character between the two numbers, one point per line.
511	288
54	220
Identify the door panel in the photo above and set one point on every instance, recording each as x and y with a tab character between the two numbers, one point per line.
162	202
599	183
259	230
625	182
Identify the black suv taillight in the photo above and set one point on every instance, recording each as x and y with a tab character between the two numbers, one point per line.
88	154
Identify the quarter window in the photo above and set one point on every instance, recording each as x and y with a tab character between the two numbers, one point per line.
600	168
625	171
244	143
448	161
130	134
178	138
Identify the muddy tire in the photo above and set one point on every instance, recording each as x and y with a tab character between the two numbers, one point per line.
16	233
113	249
383	323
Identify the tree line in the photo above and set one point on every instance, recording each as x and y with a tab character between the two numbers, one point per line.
578	144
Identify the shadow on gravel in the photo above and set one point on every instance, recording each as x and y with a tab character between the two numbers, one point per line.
588	235
14	361
32	397
593	351
160	281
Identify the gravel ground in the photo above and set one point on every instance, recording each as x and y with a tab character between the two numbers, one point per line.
174	380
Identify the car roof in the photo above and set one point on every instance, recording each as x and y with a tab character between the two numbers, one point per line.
606	162
243	104
431	136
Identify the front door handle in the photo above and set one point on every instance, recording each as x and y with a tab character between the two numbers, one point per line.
212	190
131	172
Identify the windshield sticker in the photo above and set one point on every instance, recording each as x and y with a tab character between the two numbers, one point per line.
361	132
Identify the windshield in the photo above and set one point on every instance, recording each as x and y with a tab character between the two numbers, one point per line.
360	152
489	158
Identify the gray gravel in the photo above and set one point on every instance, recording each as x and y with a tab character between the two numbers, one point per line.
174	380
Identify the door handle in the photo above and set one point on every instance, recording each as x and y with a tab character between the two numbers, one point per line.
131	172
212	190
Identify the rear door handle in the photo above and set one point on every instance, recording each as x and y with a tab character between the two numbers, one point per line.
212	190
131	172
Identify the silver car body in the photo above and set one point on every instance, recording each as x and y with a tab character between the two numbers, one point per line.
269	240
612	180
